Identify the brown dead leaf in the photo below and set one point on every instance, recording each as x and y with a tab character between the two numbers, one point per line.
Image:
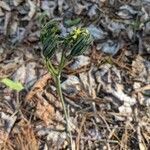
45	111
17	2
3	137
4	5
39	85
138	65
7	22
32	9
1	13
6	122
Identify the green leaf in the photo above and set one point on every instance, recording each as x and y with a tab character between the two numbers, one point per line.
42	18
12	84
78	40
50	38
70	22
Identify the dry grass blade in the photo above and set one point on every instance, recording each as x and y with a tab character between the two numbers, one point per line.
26	140
146	87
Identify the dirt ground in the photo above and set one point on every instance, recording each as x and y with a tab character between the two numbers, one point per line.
106	90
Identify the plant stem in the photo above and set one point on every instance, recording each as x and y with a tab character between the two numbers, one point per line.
50	67
59	90
62	63
56	76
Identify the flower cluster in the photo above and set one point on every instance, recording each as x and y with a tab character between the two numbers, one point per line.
78	41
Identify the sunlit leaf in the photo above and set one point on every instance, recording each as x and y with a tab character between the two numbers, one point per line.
12	84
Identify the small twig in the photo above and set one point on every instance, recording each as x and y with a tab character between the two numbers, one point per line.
141	143
79	133
98	140
146	87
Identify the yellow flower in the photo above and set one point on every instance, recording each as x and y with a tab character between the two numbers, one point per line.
76	33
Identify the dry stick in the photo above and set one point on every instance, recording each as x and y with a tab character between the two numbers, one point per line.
99	140
107	126
124	138
146	87
79	133
142	145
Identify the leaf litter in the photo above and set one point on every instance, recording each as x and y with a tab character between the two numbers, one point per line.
106	90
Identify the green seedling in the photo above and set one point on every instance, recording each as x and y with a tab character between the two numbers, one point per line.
73	45
17	86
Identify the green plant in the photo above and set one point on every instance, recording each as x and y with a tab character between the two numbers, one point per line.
17	86
74	44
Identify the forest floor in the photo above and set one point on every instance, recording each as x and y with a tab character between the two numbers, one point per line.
106	90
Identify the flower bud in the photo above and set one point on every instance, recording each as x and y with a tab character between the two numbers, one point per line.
78	41
50	38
